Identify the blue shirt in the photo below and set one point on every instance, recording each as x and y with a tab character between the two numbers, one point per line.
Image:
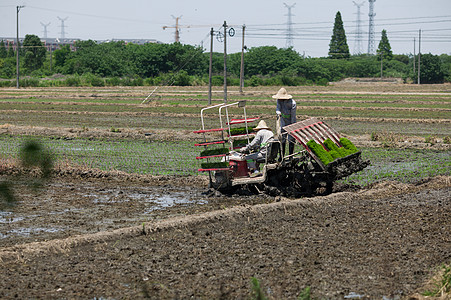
287	111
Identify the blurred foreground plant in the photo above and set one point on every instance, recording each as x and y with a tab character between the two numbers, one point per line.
442	284
257	292
36	164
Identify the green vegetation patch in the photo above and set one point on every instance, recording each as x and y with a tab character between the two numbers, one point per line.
217	151
348	145
130	156
215	165
336	151
442	285
403	165
332	151
241	130
320	152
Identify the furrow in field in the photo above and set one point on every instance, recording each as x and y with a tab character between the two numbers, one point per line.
44	106
262	115
204	102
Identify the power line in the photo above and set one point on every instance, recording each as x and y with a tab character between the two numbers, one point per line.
353	21
303	29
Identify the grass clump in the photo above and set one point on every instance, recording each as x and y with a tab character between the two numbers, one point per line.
442	284
320	152
430	139
257	292
387	139
305	294
217	151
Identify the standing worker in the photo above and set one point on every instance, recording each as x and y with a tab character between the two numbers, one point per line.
286	115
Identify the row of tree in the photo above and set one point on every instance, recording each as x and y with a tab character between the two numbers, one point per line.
339	49
262	65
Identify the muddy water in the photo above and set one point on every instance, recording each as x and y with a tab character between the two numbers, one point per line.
66	208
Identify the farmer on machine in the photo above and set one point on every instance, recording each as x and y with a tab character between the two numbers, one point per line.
286	115
259	143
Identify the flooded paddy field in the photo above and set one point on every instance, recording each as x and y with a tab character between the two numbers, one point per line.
126	215
69	207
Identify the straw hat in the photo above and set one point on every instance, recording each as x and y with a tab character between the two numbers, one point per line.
282	95
261	125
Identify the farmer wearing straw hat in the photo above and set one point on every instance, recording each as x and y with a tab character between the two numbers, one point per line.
286	115
259	143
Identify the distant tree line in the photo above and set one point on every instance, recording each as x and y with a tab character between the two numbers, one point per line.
117	63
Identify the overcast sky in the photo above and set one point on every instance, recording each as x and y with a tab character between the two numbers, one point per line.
266	22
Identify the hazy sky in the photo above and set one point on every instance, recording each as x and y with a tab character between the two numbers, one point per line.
266	22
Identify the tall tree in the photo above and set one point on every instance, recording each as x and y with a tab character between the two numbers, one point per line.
431	69
269	60
11	52
338	47
61	55
384	48
3	52
34	52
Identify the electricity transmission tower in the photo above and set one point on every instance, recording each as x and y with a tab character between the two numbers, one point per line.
45	28
177	28
371	41
63	32
358	34
289	26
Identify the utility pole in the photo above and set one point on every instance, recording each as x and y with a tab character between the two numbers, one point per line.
243	47
51	57
177	28
210	66
63	32
358	33
45	29
382	58
419	55
225	62
371	28
289	26
414	58
17	46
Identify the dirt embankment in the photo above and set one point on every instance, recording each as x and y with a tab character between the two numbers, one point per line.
381	242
